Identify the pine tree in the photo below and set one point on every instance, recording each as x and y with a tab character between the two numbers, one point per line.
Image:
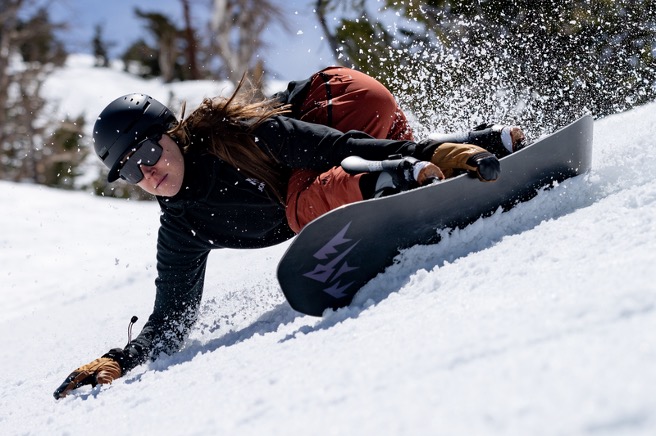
539	63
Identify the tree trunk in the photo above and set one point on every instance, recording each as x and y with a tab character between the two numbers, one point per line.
191	49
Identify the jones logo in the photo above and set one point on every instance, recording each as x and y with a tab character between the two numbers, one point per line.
332	272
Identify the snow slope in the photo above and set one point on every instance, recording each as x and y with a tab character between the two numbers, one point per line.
532	322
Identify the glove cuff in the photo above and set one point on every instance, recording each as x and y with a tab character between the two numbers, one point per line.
127	357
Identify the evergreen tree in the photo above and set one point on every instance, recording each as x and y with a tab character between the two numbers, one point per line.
100	47
29	51
167	37
65	153
141	59
538	63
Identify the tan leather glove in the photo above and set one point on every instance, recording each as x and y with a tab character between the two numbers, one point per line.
101	371
451	157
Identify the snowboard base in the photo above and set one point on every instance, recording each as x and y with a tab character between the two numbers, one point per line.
339	252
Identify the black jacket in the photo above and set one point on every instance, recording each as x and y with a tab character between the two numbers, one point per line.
218	206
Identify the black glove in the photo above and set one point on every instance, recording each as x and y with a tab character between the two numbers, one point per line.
488	167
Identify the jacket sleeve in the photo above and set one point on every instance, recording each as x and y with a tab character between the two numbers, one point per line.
298	144
181	262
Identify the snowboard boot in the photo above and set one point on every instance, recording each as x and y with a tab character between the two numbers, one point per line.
391	176
396	176
496	138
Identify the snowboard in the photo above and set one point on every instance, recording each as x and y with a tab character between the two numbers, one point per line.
339	252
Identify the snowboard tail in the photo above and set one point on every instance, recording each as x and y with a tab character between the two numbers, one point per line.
339	252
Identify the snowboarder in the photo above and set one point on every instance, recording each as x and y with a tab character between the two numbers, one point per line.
240	173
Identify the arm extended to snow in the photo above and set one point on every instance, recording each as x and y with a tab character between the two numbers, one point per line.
179	291
181	262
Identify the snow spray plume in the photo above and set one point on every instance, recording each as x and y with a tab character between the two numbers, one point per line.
538	64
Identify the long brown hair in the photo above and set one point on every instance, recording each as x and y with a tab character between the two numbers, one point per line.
224	127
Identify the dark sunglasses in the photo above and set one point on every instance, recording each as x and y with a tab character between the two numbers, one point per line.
147	152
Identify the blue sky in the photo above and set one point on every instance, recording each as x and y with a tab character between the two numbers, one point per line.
293	54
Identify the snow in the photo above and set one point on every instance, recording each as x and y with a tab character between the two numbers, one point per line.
532	322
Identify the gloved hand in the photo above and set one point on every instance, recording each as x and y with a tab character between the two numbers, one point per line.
101	371
486	165
451	157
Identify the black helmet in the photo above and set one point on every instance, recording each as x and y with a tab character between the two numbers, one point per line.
124	123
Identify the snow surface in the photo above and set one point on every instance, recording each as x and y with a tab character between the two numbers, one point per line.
538	321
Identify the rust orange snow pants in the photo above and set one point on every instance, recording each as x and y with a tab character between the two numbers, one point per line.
344	99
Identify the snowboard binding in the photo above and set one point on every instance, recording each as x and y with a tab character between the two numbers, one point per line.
397	173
